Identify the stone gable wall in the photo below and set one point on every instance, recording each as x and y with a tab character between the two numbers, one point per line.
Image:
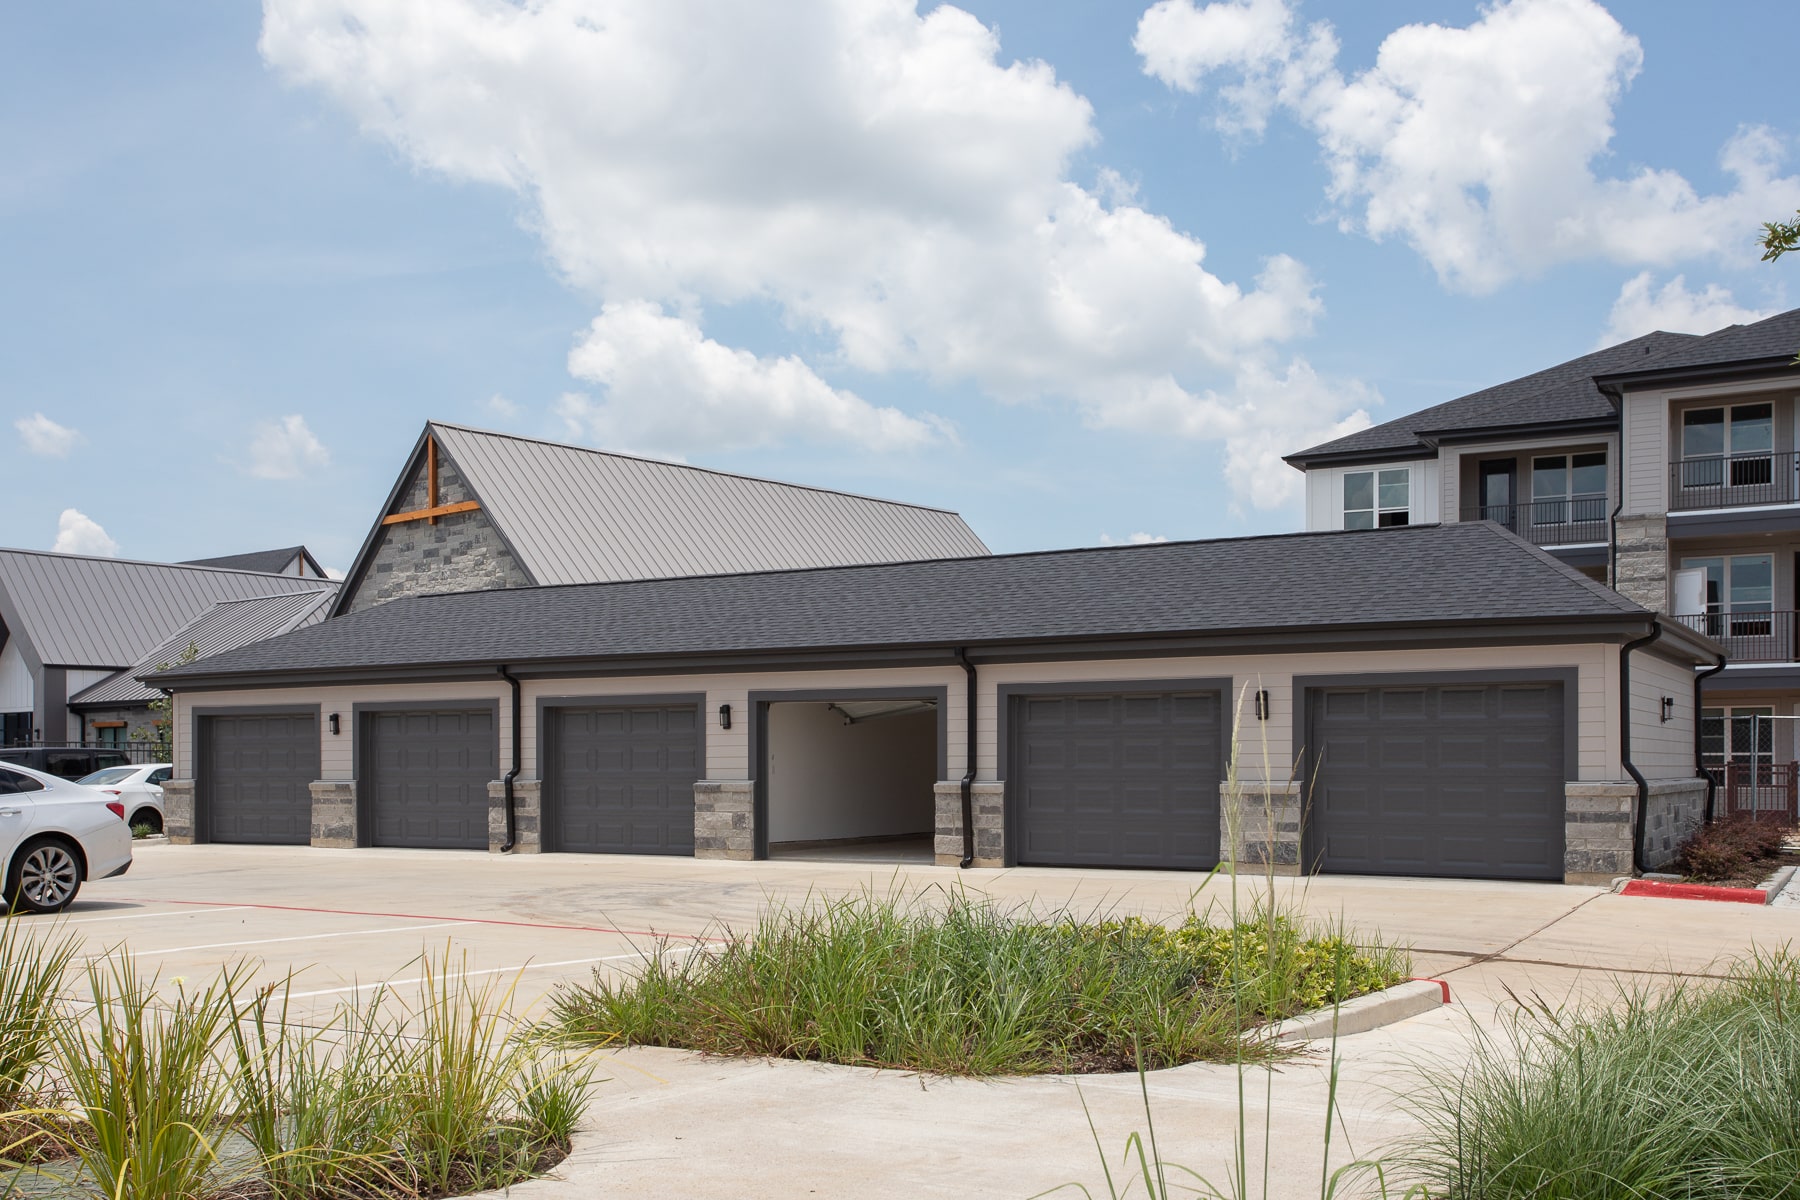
463	552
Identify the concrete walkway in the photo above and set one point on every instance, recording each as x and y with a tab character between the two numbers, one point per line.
667	1122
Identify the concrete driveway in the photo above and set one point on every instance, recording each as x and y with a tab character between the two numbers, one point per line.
343	921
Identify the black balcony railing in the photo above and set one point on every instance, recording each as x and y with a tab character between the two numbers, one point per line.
1742	479
1751	636
1763	791
1549	522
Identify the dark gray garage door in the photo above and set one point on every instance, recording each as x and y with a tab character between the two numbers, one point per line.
1123	780
622	779
1463	781
427	774
255	772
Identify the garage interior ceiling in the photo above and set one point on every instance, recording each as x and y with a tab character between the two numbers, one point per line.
855	712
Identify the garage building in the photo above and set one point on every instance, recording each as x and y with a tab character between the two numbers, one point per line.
1427	701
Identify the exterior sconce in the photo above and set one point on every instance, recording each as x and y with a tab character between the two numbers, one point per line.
1262	705
331	723
1668	708
724	716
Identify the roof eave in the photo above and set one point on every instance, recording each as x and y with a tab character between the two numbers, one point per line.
1275	639
1619	382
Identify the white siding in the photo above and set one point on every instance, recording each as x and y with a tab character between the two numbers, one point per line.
1662	749
1645	430
1325	493
17	693
80	680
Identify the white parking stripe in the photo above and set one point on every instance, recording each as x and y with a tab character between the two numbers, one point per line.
305	937
180	912
398	983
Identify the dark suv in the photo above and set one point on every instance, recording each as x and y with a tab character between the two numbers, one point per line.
65	762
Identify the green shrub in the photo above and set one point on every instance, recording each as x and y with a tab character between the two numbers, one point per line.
1691	1096
31	973
970	988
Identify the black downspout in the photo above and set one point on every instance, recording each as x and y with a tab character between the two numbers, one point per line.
968	779
1712	786
1643	785
518	763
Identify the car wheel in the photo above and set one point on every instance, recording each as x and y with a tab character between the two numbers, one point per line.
145	816
44	878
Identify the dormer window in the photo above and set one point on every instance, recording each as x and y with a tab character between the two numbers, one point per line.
1378	499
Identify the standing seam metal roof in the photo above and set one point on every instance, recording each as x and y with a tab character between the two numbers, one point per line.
227	625
576	515
77	611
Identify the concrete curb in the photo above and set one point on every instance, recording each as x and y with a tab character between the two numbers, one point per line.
1364	1013
1775	884
1693	891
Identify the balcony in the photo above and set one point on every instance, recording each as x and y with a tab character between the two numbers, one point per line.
1578	522
1750	637
1739	481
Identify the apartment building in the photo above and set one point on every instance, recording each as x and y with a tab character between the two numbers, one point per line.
1668	467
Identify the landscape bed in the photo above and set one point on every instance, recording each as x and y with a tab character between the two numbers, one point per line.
1691	1095
966	987
153	1090
1738	852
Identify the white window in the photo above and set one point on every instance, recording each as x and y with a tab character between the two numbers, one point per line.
1728	446
1740	593
1378	499
1568	488
1734	735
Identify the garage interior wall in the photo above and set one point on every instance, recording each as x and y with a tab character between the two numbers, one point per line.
1266	747
828	780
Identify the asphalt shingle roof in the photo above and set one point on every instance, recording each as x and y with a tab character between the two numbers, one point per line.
1565	392
1776	337
1464	574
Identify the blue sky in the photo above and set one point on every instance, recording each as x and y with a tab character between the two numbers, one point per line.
949	258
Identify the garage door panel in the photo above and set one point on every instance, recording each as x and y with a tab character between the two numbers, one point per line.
1456	780
621	778
257	776
428	788
1126	779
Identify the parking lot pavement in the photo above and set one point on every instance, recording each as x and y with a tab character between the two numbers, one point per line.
344	921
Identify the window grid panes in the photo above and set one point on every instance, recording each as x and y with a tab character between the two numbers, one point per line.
1378	499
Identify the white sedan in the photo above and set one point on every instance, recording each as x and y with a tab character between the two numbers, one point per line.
54	835
138	788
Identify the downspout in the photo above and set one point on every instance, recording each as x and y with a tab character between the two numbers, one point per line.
518	762
968	779
1643	785
1699	769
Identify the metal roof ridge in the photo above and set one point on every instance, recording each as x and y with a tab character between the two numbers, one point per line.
663	462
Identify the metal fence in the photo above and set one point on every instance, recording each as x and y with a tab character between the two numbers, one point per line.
136	752
1730	482
1750	636
1576	522
1762	791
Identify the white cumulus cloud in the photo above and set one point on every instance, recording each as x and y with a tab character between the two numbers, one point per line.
1642	308
880	179
78	533
285	449
45	438
1483	146
1135	539
669	388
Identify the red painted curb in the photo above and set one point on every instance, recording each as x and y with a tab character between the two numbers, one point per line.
1693	891
1445	984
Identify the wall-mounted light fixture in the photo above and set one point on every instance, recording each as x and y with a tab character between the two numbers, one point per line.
331	723
1668	708
724	716
1262	705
